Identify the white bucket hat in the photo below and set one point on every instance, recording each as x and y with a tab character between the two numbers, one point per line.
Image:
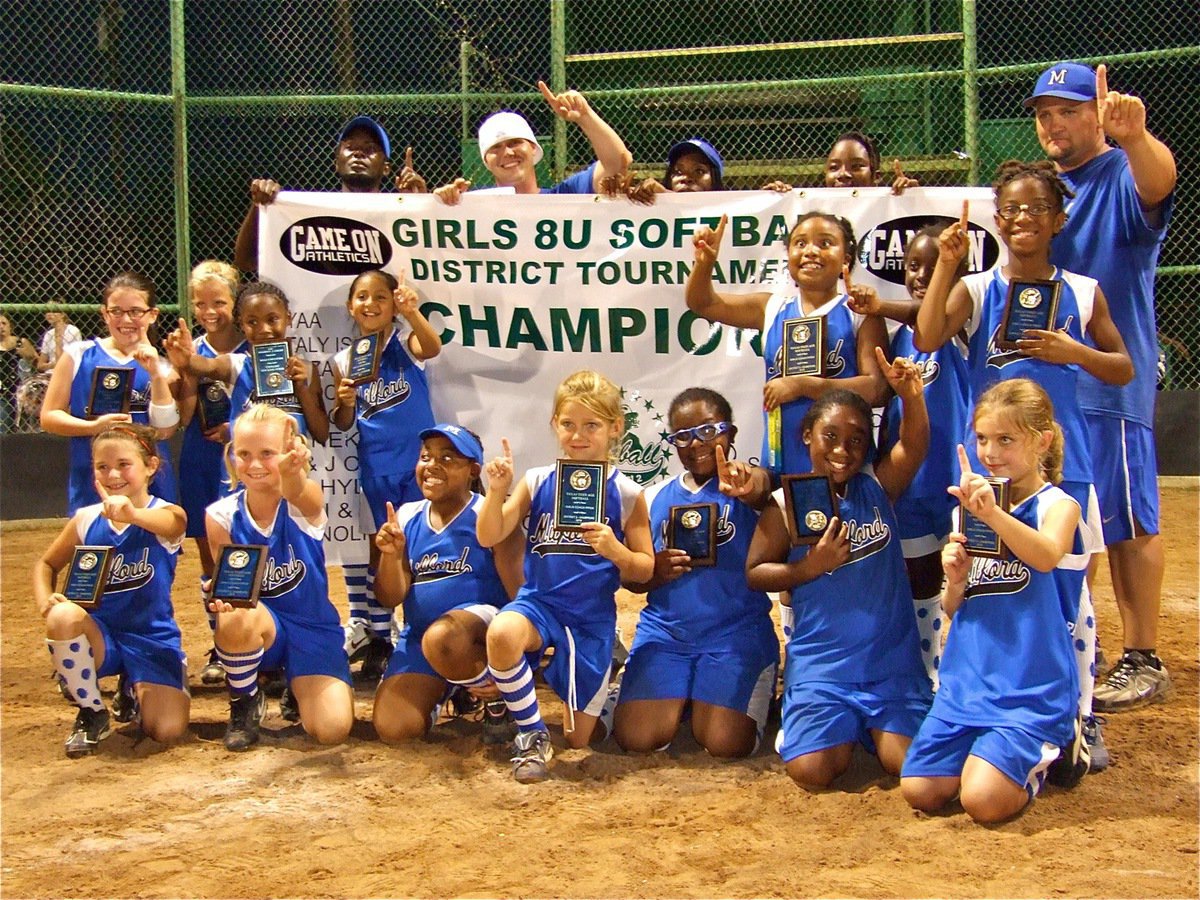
504	126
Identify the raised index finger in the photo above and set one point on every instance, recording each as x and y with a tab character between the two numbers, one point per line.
846	278
408	158
962	222
507	449
963	462
1101	83
882	357
722	465
720	232
391	513
104	495
547	93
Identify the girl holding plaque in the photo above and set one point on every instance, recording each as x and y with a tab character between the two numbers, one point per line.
705	637
87	394
824	344
382	390
290	624
1076	333
1007	700
853	670
572	572
128	627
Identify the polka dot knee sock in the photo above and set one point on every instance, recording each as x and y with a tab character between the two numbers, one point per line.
74	661
931	622
1083	639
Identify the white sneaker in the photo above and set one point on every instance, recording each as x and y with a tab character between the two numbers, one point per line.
1133	682
532	752
355	639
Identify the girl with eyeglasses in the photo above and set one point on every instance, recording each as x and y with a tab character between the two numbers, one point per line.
705	639
1029	212
129	308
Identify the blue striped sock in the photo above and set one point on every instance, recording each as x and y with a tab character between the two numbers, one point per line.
483	679
517	688
241	671
356	590
380	615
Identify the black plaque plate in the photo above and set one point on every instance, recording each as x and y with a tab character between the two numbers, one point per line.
238	576
981	539
579	493
1031	306
692	528
811	503
212	404
87	575
363	365
270	369
112	391
804	346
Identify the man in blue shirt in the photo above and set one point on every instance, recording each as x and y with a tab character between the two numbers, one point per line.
1115	227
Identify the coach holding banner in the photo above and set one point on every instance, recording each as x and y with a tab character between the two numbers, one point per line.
1115	227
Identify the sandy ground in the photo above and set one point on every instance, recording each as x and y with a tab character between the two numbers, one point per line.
443	817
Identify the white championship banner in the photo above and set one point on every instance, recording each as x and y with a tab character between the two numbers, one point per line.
526	290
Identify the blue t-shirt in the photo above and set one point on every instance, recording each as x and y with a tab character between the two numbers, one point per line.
579	183
1107	237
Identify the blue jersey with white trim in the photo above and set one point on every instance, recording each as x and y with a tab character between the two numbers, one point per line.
712	608
1008	658
1107	237
449	567
294	582
856	623
391	411
137	597
988	364
841	361
561	570
242	395
203	455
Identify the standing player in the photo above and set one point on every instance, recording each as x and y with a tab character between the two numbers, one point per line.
1114	230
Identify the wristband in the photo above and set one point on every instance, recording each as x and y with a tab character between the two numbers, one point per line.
164	415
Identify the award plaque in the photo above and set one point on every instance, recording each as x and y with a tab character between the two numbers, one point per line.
804	346
112	390
364	358
87	575
1031	305
692	528
579	493
270	369
811	504
238	576
981	540
212	404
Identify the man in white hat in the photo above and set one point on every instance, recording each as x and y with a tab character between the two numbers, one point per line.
510	150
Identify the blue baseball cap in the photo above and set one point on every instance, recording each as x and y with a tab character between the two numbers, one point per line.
1067	81
464	442
372	126
701	146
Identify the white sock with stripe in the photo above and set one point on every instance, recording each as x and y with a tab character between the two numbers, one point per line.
241	671
520	696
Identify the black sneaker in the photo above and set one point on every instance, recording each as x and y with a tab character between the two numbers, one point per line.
125	707
245	715
289	709
91	727
1073	761
273	683
461	702
498	726
375	661
213	672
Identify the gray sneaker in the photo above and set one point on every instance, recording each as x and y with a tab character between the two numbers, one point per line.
1094	736
497	726
1134	681
531	756
91	727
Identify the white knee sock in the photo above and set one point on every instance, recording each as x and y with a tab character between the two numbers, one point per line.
74	661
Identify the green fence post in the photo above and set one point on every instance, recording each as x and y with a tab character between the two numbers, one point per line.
558	82
179	111
970	91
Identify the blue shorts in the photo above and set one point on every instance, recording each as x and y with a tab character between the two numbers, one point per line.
924	523
409	659
819	715
734	679
379	489
143	659
585	648
305	648
941	748
1125	469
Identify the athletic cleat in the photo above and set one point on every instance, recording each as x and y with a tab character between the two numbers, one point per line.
620	653
245	715
91	727
125	708
1134	681
272	683
1073	761
355	639
460	702
289	709
375	660
497	726
532	752
1094	736
213	672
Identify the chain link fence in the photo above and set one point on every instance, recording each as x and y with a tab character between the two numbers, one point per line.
130	129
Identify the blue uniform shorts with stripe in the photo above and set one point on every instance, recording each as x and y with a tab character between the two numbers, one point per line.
820	715
1125	470
379	489
305	648
734	679
200	485
924	523
941	748
409	659
143	659
586	648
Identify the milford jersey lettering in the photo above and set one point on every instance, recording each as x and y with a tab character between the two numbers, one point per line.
869	538
996	576
431	568
834	361
130	576
1001	358
380	395
546	540
279	579
139	401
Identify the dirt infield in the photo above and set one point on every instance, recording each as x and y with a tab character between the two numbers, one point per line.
443	817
